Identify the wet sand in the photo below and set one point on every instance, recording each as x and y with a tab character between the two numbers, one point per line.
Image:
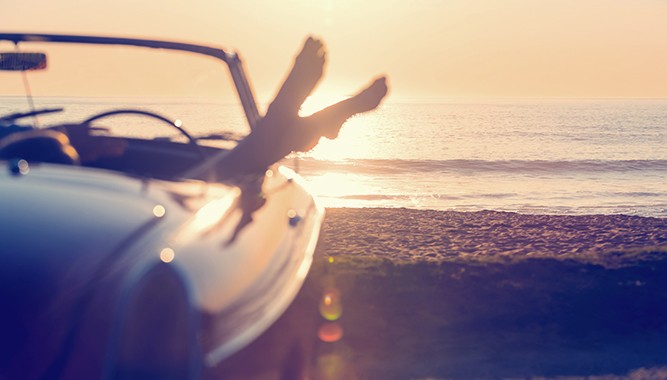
435	294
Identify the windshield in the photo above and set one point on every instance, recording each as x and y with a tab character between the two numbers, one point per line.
85	80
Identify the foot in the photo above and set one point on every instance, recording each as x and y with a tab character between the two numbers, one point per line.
370	97
309	65
302	79
366	100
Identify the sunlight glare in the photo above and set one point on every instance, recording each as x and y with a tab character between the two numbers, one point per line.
211	213
357	139
337	185
318	102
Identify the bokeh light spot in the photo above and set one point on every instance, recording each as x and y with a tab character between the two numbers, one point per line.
159	211
331	307
330	332
167	255
24	167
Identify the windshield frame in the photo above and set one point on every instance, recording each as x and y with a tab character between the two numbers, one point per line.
232	59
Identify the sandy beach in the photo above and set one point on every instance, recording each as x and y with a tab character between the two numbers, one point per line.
410	235
439	294
419	294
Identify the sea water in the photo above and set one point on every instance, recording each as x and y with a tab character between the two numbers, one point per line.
527	156
556	157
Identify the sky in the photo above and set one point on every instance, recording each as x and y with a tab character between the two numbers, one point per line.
430	49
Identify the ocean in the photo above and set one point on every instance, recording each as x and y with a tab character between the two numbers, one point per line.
566	157
551	157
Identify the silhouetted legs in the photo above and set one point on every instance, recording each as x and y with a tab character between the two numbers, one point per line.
305	74
331	119
282	131
304	133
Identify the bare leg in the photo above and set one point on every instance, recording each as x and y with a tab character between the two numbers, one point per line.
302	79
331	119
275	138
282	131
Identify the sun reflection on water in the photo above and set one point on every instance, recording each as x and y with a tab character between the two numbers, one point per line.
338	187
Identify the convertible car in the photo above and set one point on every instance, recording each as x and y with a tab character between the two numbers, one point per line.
127	249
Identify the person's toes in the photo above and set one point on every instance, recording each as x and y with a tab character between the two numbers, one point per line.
370	97
312	48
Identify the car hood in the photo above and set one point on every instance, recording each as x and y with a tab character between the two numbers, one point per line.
60	215
61	226
64	230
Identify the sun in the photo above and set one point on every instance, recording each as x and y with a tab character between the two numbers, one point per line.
317	102
355	138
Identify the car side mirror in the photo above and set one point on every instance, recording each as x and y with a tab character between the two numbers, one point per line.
17	61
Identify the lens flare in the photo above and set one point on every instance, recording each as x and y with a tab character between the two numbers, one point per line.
24	167
330	366
331	307
167	255
330	332
159	211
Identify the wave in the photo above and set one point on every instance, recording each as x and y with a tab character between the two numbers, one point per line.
439	197
387	166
